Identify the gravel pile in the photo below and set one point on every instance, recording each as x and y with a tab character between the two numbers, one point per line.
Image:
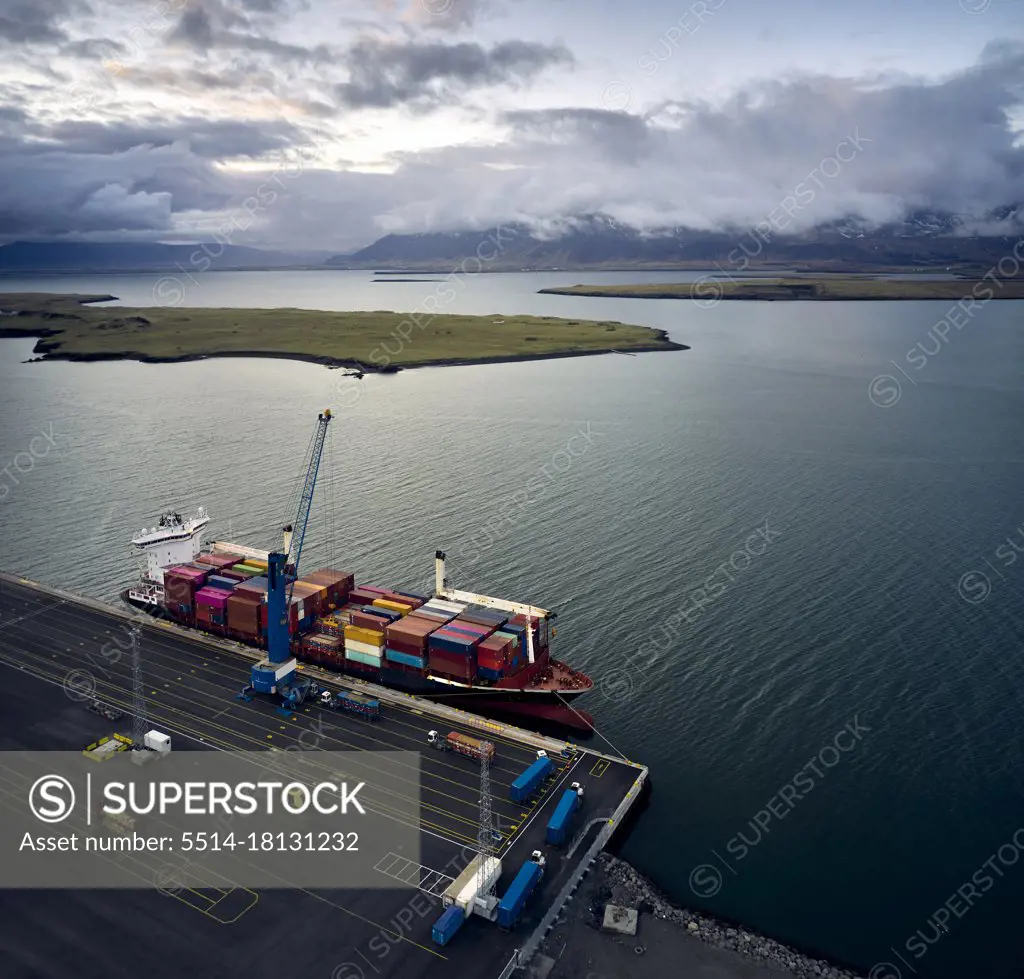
630	889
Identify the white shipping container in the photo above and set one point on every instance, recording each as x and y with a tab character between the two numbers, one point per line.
363	647
157	741
466	887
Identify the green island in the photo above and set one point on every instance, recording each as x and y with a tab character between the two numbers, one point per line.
821	289
70	328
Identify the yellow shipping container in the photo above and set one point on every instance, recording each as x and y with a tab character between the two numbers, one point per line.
394	606
371	636
257	564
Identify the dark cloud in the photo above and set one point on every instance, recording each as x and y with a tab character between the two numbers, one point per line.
93	48
209	139
383	74
619	135
36	21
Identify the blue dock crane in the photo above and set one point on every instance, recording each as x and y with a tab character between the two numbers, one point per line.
278	672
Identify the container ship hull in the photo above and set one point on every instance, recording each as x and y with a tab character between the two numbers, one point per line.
501	662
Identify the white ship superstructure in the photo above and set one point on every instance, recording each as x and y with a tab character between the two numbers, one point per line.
174	540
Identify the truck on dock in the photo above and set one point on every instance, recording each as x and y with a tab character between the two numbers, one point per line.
463	744
354	703
561	818
510	907
530	780
448	924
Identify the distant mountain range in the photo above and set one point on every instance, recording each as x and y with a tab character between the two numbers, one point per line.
75	256
923	239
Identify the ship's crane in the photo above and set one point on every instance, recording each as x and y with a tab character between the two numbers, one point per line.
277	673
516	608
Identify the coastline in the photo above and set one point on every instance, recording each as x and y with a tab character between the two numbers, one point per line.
708	291
71	328
670	940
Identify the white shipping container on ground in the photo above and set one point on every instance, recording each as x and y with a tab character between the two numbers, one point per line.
466	887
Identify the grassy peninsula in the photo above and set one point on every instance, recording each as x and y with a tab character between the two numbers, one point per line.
70	328
837	288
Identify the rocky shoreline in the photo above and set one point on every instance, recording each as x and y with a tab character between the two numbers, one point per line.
613	881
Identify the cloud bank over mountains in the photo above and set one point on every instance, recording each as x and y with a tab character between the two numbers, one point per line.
169	120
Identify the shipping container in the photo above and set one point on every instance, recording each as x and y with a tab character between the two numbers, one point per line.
451	665
254	584
485	673
398	607
561	818
448	924
485	616
370	636
530	780
364	647
364	658
419	599
375	623
406	659
510	907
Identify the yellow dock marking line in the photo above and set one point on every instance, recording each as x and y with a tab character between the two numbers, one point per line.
444	832
600	767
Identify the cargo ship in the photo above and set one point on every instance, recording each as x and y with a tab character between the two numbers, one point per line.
481	654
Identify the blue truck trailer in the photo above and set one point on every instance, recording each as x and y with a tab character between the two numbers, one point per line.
448	924
530	780
561	818
510	907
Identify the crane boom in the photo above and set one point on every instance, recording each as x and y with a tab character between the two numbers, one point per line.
306	497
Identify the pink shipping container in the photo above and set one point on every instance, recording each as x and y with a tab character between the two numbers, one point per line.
213	597
187	571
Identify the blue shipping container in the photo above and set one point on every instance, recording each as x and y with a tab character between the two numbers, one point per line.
487	674
406	659
519	891
448	924
561	818
528	783
382	613
449	645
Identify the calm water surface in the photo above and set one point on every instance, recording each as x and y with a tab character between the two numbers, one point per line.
730	658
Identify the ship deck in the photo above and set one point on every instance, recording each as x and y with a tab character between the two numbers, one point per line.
190	685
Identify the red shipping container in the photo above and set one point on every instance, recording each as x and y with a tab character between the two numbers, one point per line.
405	646
452	664
366	621
364	595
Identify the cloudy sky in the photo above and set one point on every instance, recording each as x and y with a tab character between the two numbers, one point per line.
326	123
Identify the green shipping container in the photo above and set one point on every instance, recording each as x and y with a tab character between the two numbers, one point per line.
509	635
364	658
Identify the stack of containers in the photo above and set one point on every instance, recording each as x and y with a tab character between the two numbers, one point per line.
517	658
439	609
243	614
236	575
452	648
211	608
180	587
328	650
311	599
257	585
494	656
406	642
364	648
337	583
